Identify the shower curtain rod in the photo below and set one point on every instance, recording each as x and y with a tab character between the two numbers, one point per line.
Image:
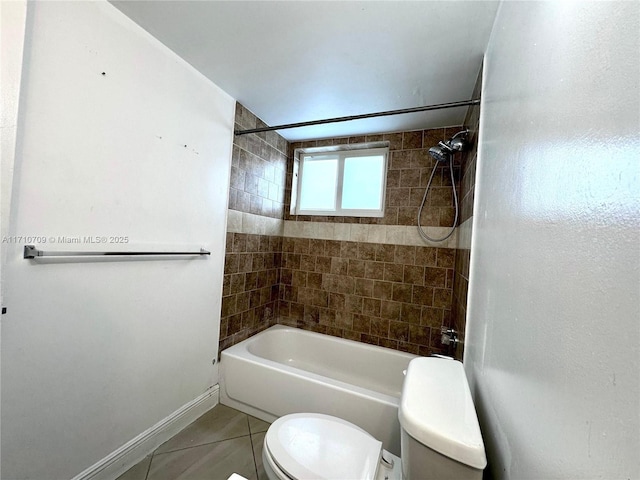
286	126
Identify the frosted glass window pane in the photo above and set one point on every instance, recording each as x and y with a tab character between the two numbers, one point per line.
319	180
362	187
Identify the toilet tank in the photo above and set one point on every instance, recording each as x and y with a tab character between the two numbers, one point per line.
440	432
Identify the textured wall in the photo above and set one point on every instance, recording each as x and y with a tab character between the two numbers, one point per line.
553	332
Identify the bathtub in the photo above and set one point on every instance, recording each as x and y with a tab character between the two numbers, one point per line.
287	370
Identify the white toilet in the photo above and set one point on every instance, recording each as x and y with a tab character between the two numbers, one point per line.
440	436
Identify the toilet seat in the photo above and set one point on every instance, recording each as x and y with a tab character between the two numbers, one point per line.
313	445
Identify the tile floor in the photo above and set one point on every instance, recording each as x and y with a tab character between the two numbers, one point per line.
221	442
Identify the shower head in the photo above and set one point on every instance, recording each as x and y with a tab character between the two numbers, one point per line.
440	154
444	150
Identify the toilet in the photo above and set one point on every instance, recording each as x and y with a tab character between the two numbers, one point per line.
440	437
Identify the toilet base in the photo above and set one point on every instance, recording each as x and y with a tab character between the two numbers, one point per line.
385	472
393	472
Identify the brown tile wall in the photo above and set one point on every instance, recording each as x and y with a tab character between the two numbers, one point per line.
258	166
250	287
463	253
408	172
390	295
252	262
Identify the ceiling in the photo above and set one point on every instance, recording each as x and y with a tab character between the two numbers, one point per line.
294	61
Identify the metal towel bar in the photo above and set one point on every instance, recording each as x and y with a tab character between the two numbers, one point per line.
30	251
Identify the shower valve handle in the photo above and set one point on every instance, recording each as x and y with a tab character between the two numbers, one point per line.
449	336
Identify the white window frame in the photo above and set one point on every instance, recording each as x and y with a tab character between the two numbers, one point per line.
342	152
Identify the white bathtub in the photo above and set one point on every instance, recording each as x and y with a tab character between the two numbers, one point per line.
286	370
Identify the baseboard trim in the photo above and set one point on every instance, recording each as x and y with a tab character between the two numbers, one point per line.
129	454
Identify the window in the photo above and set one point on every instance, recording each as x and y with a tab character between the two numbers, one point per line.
338	181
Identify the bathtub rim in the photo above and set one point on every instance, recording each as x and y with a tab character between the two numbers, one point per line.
241	351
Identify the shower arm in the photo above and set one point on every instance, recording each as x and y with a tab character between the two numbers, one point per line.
461	132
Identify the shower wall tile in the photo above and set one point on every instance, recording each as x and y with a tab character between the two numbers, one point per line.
251	286
364	279
408	171
397	296
258	165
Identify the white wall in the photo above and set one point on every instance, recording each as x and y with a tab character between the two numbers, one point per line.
553	325
94	353
12	21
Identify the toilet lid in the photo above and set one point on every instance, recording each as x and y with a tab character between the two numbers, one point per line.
312	445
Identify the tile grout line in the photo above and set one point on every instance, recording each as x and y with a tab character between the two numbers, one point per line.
253	453
149	466
202	444
253	450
